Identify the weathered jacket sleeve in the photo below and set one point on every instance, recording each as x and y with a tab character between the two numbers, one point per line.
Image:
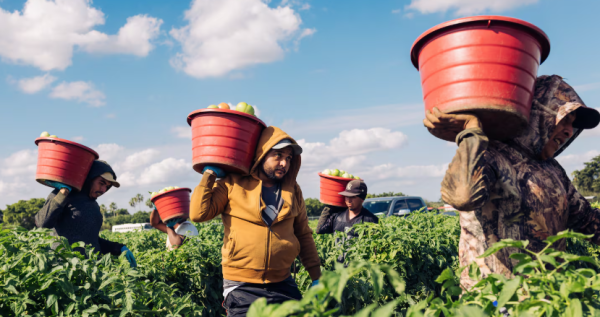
208	199
327	219
583	217
53	208
466	185
308	250
113	248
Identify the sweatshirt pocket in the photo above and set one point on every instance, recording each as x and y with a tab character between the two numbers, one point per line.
231	245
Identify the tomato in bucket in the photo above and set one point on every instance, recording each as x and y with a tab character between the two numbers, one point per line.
173	203
63	161
224	138
330	188
485	65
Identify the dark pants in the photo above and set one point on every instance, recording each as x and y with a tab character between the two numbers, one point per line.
239	300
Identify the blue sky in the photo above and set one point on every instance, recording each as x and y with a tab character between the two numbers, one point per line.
121	77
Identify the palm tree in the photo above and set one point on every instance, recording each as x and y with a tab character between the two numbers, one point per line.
136	201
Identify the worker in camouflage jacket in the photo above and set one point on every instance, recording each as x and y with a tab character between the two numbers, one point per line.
516	189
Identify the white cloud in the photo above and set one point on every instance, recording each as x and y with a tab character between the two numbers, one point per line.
466	7
19	163
139	159
45	33
109	151
164	171
305	33
35	84
577	159
184	132
396	11
227	35
386	171
80	91
133	38
350	143
77	138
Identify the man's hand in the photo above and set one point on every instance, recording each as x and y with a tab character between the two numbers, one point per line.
217	171
64	189
447	126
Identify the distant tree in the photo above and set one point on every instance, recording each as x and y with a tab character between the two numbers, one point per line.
587	180
122	211
386	194
149	204
104	211
140	217
313	207
112	209
136	201
22	213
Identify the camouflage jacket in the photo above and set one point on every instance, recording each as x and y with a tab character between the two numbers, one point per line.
505	190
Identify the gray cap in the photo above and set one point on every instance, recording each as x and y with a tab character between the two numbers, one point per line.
287	142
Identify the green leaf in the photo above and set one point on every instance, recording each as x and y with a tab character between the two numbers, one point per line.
366	312
505	243
574	309
51	300
446	274
508	290
386	310
568	234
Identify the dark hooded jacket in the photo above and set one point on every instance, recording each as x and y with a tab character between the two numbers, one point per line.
76	216
505	190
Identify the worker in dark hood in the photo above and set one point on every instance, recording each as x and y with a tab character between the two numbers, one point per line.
516	189
76	215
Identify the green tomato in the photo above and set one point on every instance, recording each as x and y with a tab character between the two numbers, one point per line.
345	175
356	177
45	134
326	172
244	107
53	136
335	172
213	107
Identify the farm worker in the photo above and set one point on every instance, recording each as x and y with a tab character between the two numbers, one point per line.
266	225
76	215
516	189
343	221
177	229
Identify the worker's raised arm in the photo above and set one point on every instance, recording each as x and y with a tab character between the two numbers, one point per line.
466	185
209	198
52	209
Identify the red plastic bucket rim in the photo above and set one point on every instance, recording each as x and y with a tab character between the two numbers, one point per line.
234	112
481	19
40	139
336	177
168	192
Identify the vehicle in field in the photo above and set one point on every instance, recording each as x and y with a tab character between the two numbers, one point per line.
394	206
131	227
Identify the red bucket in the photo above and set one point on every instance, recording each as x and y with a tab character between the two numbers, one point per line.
224	138
331	186
485	65
63	161
174	203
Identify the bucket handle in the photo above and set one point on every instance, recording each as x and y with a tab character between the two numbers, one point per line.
489	22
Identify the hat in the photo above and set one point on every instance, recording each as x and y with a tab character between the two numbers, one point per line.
586	118
355	188
287	142
109	177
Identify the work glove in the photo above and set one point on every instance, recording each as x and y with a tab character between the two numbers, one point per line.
58	185
129	256
172	222
218	171
315	282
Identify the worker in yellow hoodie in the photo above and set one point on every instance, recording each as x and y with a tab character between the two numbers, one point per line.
266	225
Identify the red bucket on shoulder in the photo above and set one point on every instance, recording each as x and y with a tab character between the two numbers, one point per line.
174	203
63	161
224	138
485	65
330	188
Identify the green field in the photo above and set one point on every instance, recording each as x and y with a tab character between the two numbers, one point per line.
394	267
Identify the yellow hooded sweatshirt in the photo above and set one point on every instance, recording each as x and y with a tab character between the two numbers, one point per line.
253	252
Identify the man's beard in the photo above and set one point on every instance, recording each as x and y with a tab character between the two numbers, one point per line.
270	172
